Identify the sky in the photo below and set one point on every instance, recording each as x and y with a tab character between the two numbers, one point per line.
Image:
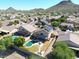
30	4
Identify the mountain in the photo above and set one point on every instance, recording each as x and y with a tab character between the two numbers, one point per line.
64	6
10	9
37	10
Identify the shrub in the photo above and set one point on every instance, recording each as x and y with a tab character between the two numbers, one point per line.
5	43
55	23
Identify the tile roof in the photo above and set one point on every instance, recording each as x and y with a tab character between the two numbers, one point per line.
29	27
7	28
69	37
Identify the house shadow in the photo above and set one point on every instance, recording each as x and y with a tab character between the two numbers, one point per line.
15	50
11	50
21	52
25	53
6	53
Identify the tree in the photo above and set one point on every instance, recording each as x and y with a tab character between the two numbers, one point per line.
62	51
2	46
5	43
16	22
55	23
8	41
19	41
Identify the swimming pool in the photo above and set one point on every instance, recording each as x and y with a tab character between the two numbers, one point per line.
30	43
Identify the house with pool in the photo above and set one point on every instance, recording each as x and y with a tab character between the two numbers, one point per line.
40	42
37	41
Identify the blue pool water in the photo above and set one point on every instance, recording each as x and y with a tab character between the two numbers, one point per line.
30	43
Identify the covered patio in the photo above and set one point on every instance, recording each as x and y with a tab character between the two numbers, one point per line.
40	35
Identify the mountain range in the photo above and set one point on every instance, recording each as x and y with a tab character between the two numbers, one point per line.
63	6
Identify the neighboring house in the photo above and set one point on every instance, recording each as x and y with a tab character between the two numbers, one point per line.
49	28
13	17
71	18
56	17
70	38
14	55
67	24
8	29
29	27
45	21
25	30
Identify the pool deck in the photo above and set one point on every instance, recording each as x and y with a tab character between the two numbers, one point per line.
49	47
27	39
